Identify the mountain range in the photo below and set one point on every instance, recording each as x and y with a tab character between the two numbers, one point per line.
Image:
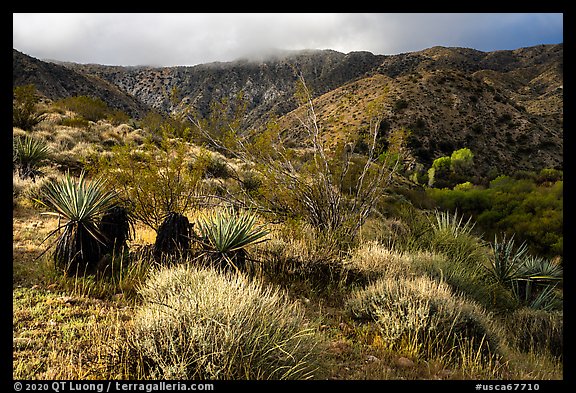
506	106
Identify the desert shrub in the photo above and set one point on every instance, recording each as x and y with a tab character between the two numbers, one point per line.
453	236
422	317
309	184
211	165
25	112
373	260
152	182
203	324
302	258
118	117
414	231
76	122
251	182
89	108
400	104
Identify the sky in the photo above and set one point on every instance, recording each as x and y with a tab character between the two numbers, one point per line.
164	39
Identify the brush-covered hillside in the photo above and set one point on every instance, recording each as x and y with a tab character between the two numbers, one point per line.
354	235
506	106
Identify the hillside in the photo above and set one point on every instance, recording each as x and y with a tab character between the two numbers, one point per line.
509	116
506	106
267	85
55	81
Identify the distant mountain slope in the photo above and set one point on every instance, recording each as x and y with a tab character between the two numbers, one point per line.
56	81
267	85
507	106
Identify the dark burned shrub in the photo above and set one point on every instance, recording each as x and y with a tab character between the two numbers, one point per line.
173	238
116	227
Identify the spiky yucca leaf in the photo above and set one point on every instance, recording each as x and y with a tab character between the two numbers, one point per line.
226	231
225	234
540	269
507	260
28	154
538	279
81	203
452	223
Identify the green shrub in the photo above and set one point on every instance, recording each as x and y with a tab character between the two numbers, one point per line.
25	112
90	108
152	182
76	122
532	211
400	104
202	324
211	165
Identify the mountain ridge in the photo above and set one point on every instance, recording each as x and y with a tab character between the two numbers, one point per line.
506	105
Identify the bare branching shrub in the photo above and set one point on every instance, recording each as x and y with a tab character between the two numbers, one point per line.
202	324
334	190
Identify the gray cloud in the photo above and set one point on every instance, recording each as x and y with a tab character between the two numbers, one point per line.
187	39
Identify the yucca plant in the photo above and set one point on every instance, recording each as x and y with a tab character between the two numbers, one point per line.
81	203
538	279
507	261
541	269
225	235
453	224
28	154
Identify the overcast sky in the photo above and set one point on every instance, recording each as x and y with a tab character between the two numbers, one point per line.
188	39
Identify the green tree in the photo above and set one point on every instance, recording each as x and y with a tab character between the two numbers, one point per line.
461	161
439	173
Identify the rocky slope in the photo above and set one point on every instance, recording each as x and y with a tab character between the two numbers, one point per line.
55	81
267	85
507	106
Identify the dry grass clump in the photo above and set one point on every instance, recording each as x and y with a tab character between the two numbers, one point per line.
537	331
305	261
423	318
199	323
59	336
374	260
